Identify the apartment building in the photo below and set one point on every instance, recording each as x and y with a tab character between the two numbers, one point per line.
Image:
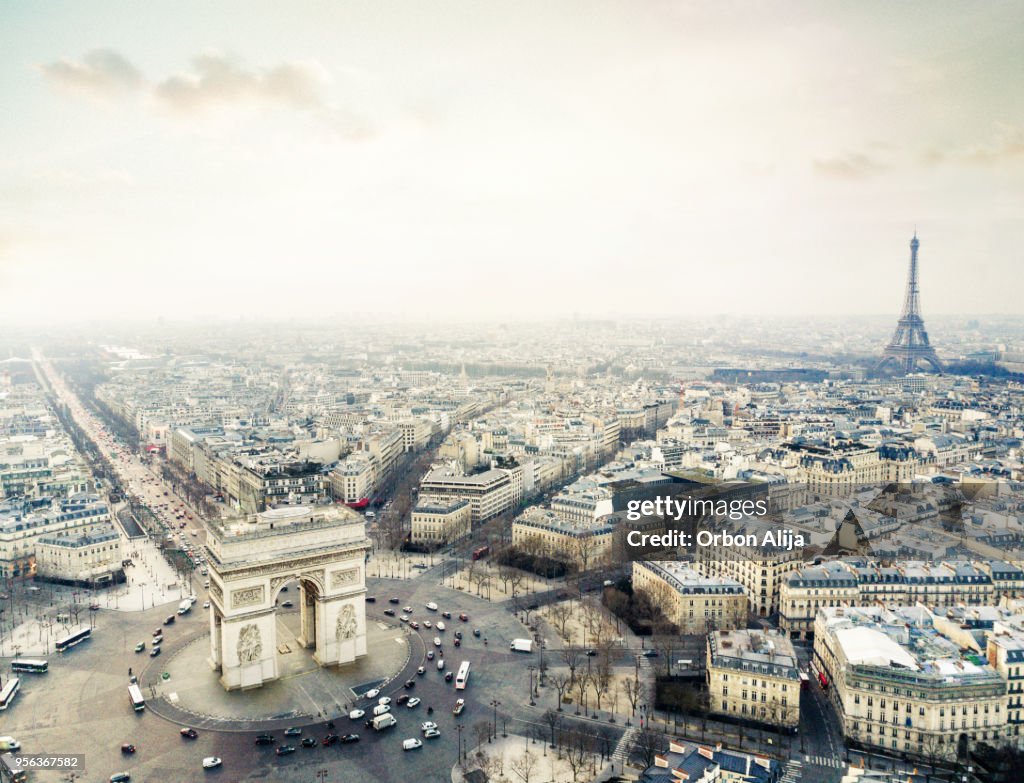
581	544
489	493
755	676
694	602
24	522
440	521
92	558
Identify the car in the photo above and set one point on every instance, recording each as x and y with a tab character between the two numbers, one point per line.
287	604
407	609
370	599
373	693
430	655
446	615
458	634
476	632
158	632
330	739
404	618
460	705
206	604
427	725
394	601
410	684
292	731
591	653
389	612
650	654
423	566
189	733
356	714
350	738
384	700
458	642
427	624
154	652
402	699
413	702
127	747
437	641
414	625
211	762
140	647
309	742
421	671
464	617
412	744
120	777
169	620
440	664
284	750
441	626
265	739
431	733
432	606
448	676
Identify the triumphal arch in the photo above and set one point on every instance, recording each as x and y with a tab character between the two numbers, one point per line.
251	558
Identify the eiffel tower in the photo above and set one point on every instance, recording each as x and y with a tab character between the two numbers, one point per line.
909	345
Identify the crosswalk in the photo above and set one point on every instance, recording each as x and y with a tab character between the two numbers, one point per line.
825	761
621	752
791	773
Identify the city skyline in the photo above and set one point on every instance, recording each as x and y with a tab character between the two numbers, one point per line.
515	162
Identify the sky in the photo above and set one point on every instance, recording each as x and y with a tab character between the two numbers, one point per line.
468	160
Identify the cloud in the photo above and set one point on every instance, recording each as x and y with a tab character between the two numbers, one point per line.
216	80
849	167
1006	146
101	73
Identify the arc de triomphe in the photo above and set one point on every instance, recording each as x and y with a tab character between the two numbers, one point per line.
252	557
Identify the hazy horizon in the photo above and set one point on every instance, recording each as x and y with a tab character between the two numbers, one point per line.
465	163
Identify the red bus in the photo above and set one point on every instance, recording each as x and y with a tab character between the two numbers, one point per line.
481	551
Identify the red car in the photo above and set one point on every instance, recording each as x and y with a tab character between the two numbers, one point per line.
464	617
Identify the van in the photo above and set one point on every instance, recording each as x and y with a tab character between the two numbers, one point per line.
383	722
381	709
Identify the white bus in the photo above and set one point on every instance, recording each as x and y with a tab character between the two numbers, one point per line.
135	696
462	677
9	692
31	665
65	644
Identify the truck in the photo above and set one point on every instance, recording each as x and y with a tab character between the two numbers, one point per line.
184	606
521	645
382	722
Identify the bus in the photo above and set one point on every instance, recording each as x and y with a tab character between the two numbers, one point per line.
9	692
462	677
135	696
481	551
805	681
65	644
9	770
31	665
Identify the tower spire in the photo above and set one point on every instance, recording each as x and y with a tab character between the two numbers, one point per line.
909	345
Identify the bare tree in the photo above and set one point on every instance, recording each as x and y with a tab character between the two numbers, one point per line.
581	684
577	752
483	580
554	720
482	730
647	744
561	682
584	550
559	614
571	657
633	691
524	765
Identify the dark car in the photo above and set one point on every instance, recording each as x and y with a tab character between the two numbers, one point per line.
154	652
350	738
394	600
651	654
330	739
265	739
410	684
169	620
371	599
591	653
458	634
189	733
476	632
458	642
448	677
127	748
403	698
292	732
309	742
389	612
446	615
284	750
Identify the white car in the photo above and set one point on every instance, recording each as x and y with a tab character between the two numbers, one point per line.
440	626
384	700
428	725
432	606
373	693
437	641
356	714
412	743
431	734
413	702
440	664
211	761
206	604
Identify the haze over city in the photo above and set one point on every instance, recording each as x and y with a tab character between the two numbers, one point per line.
463	161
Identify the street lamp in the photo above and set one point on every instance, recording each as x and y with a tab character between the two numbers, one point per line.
495	703
532	670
